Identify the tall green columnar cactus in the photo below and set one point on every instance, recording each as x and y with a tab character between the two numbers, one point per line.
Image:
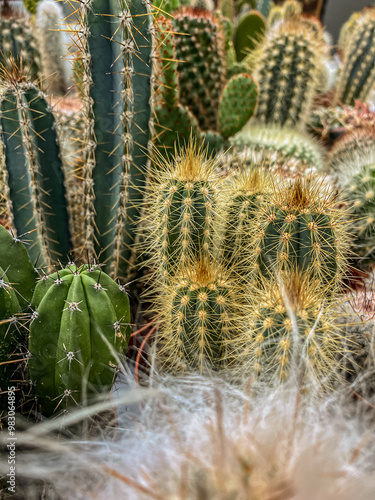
17	282
174	122
117	44
182	203
357	75
33	181
80	321
53	50
302	229
202	70
288	65
17	40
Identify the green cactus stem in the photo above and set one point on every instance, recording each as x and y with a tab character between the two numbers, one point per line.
249	32
80	321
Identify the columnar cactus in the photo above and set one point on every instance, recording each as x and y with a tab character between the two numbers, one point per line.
182	205
357	75
288	65
199	317
301	229
292	331
17	40
80	321
237	104
53	51
116	41
202	73
33	180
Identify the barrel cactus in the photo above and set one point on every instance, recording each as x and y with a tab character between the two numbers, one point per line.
79	326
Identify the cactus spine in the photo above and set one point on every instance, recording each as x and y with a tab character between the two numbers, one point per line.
358	72
80	320
119	124
288	64
32	170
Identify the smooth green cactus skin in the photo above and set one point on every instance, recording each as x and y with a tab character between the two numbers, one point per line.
33	172
357	74
203	73
81	320
16	263
17	40
237	104
251	28
31	5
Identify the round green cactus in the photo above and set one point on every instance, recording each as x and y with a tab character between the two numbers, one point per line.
80	321
237	104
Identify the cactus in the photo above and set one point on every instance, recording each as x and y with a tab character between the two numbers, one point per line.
292	332
174	122
199	317
116	44
52	49
357	74
227	8
182	203
263	6
17	283
346	149
202	71
291	8
246	192
347	30
166	6
281	145
203	5
288	64
32	173
31	5
17	40
80	321
357	180
249	32
237	104
275	16
214	142
301	229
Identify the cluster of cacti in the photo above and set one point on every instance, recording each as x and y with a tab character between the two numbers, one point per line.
287	66
357	75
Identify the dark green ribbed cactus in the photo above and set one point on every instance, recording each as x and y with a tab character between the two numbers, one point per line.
202	72
80	321
182	203
17	40
17	283
33	181
357	75
250	30
301	229
237	104
288	63
174	122
116	43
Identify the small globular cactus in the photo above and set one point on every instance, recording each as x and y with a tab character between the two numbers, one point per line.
237	104
302	229
357	75
199	317
79	326
292	332
182	205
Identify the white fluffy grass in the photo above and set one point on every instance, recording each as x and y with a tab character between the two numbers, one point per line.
198	438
